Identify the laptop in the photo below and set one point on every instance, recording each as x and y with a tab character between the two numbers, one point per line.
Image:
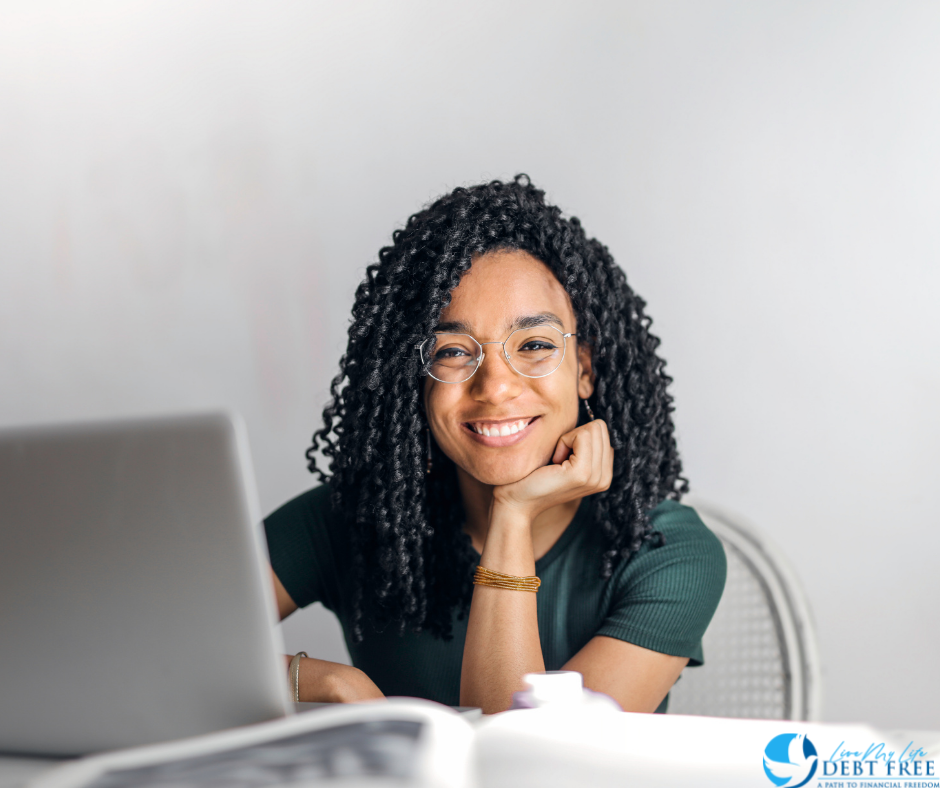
135	597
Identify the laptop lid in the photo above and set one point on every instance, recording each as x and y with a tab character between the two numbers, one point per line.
135	597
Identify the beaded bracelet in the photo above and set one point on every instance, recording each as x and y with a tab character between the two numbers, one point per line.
487	577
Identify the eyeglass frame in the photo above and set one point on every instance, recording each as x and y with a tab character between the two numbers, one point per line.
564	337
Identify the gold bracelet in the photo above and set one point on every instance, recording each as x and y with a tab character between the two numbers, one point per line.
487	577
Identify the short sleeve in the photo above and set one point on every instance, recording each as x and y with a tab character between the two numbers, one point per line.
306	548
664	597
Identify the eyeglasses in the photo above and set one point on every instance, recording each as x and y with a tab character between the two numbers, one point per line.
532	352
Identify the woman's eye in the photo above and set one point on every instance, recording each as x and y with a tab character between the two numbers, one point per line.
450	352
538	344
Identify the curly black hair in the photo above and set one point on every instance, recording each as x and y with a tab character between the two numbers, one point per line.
413	563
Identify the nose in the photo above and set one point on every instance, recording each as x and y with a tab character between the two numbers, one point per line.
495	381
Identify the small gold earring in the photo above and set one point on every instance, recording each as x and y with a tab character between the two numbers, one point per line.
427	432
587	407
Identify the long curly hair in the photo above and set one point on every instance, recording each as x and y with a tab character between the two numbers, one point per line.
412	561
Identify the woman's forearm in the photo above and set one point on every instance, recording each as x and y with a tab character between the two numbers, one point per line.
502	630
332	682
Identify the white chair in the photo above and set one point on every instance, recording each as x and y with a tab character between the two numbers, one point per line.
761	654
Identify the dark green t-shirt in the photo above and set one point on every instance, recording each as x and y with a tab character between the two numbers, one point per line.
661	598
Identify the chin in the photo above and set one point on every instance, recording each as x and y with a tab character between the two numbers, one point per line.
506	475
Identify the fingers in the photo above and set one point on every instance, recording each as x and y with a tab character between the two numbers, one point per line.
582	464
587	452
608	461
604	464
562	452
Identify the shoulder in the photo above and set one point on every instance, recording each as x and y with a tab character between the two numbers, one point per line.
308	508
307	543
663	597
690	558
682	527
307	521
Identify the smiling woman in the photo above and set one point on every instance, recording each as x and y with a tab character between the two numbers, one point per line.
500	415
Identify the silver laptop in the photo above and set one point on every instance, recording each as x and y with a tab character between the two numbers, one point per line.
135	599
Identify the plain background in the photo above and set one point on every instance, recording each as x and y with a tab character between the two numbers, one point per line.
189	193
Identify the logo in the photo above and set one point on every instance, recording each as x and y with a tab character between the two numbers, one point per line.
790	760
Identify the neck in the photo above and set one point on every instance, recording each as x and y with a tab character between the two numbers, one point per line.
478	503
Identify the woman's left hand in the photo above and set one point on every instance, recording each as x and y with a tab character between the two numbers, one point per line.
582	464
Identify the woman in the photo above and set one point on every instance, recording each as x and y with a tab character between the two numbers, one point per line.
500	405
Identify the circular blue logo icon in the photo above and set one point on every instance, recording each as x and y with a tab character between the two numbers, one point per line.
790	760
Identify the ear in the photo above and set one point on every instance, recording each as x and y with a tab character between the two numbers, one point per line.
585	371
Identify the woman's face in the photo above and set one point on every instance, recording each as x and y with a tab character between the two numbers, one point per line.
499	290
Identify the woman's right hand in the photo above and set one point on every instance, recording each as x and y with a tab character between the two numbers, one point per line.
332	682
582	464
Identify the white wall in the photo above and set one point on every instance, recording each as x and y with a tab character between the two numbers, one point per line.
189	193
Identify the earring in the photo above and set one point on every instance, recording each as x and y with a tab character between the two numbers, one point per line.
427	432
587	407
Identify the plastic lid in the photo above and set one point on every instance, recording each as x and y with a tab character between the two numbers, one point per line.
555	686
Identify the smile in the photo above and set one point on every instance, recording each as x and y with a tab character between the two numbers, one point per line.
495	429
499	433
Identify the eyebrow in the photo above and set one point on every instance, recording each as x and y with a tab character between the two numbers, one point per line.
527	321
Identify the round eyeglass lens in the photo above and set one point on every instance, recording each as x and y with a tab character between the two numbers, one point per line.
452	358
535	352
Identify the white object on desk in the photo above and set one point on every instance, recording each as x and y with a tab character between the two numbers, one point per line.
554	688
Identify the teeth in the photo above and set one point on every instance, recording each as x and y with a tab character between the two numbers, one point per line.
498	430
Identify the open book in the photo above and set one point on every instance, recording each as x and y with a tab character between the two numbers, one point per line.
419	743
403	741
